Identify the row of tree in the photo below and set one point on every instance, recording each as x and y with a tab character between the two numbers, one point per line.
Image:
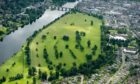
120	43
42	75
17	77
86	68
27	54
78	38
61	2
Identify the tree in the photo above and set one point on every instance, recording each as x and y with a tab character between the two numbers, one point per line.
56	53
73	71
17	77
59	66
89	43
61	54
61	2
91	23
67	46
63	72
31	71
27	82
81	47
64	64
85	20
78	37
72	54
53	76
66	38
34	80
55	37
43	37
3	79
39	74
42	76
7	70
35	33
57	74
1	33
74	64
89	57
50	67
27	53
82	33
45	54
95	48
13	64
93	52
76	46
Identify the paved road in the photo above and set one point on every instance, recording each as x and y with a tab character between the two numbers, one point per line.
82	79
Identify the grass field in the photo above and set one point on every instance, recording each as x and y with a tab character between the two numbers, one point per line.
18	68
81	22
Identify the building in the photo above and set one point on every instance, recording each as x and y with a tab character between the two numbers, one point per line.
132	51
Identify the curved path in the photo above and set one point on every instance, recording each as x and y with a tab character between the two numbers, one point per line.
82	79
121	71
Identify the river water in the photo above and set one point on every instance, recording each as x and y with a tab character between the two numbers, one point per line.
13	42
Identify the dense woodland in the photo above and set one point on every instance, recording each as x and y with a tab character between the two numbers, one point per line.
60	2
15	6
17	13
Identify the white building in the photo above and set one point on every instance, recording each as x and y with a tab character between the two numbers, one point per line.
117	37
130	50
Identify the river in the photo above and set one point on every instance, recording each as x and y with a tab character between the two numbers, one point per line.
13	42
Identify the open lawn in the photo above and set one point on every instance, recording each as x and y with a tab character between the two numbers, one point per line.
67	25
15	65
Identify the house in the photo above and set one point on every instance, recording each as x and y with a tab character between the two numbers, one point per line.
131	51
117	37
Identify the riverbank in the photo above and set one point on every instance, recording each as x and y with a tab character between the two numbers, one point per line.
27	15
13	42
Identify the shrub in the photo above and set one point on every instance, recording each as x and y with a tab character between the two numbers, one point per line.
43	37
31	71
91	23
55	37
67	46
66	38
3	79
89	57
72	54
